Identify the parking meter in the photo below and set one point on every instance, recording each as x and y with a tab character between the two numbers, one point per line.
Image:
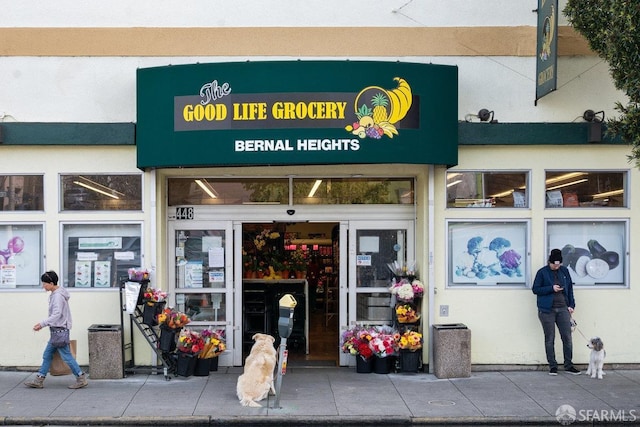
287	305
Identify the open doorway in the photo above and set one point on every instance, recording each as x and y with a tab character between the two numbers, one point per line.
302	259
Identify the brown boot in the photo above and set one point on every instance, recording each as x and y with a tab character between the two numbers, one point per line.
38	382
81	381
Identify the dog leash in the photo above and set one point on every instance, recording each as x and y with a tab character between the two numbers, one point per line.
574	327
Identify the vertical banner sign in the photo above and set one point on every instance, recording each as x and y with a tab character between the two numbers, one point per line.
547	48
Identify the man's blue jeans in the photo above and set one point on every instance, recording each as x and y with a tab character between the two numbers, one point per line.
562	318
65	354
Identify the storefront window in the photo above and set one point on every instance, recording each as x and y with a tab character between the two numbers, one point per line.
574	189
353	191
21	256
321	191
101	192
210	191
483	189
21	193
99	255
595	252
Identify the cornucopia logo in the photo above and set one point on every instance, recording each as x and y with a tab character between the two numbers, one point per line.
378	110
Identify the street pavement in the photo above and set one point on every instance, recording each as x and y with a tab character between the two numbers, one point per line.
328	396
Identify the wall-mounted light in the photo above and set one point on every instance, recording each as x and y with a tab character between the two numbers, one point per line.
484	115
207	188
89	184
595	120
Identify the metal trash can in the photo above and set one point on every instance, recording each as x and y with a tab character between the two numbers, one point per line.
105	352
451	351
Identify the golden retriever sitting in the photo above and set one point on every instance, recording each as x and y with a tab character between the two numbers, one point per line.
256	381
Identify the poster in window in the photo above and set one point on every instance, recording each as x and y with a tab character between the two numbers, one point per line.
83	274
23	250
102	274
193	274
488	253
594	254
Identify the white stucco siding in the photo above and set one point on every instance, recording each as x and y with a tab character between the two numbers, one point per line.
269	13
90	89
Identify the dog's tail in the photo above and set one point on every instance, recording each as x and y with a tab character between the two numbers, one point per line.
245	401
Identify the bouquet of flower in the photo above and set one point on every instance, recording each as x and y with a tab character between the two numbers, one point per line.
406	313
409	340
298	260
406	290
382	342
214	343
138	274
356	341
172	319
261	239
152	295
190	342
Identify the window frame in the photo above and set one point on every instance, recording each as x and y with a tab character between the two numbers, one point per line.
34	271
489	202
581	227
96	187
519	232
94	233
556	195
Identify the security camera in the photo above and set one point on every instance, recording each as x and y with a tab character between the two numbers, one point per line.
291	211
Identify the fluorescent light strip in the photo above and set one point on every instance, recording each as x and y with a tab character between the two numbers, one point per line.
567	184
314	188
608	193
206	187
456	182
98	186
565	176
97	190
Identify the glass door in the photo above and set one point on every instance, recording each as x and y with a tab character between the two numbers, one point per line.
201	276
372	246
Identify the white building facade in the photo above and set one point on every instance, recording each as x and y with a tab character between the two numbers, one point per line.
71	108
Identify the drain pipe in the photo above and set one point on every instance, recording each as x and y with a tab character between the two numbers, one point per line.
431	243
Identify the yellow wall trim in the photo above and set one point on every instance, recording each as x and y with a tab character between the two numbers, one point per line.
297	42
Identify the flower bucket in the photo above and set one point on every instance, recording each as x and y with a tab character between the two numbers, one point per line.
364	366
186	364
150	312
214	364
203	367
167	339
381	365
409	360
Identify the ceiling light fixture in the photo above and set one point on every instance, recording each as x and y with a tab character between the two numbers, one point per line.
567	184
314	188
89	184
608	193
207	188
569	175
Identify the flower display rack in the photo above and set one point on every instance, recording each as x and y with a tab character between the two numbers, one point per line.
147	330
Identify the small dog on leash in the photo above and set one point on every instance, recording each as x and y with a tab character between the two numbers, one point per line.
596	359
256	382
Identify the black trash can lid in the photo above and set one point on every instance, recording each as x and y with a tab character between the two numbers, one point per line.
450	326
99	327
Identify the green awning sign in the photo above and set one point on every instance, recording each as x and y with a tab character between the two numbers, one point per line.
300	112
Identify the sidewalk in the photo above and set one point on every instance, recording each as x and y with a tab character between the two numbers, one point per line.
326	396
